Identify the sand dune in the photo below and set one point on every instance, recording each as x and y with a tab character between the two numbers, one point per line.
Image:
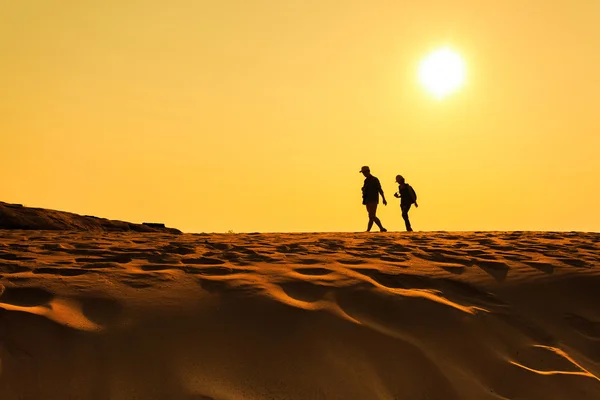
127	315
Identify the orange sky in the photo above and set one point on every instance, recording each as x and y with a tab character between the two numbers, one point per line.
257	115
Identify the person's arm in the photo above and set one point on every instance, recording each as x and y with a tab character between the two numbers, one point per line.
381	193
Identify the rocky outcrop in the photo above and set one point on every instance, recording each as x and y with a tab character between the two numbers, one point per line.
15	216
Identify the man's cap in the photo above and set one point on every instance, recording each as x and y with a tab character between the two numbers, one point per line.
364	169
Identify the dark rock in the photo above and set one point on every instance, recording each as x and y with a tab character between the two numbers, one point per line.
154	224
18	217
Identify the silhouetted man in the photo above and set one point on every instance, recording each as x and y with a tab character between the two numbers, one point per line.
370	195
407	197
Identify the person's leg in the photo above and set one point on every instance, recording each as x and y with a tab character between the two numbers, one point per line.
373	217
405	209
378	222
371	210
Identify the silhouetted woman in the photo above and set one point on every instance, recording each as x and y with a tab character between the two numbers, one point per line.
407	197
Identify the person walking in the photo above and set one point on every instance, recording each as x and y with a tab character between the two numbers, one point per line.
370	198
407	197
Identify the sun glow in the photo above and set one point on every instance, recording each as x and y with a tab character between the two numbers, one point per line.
442	72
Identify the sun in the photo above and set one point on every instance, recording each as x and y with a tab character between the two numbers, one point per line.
442	72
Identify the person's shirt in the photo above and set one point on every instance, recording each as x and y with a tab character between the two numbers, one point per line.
371	189
406	195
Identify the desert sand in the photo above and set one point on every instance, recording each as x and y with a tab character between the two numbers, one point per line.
434	315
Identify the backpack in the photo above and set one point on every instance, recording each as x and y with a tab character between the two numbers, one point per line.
413	193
